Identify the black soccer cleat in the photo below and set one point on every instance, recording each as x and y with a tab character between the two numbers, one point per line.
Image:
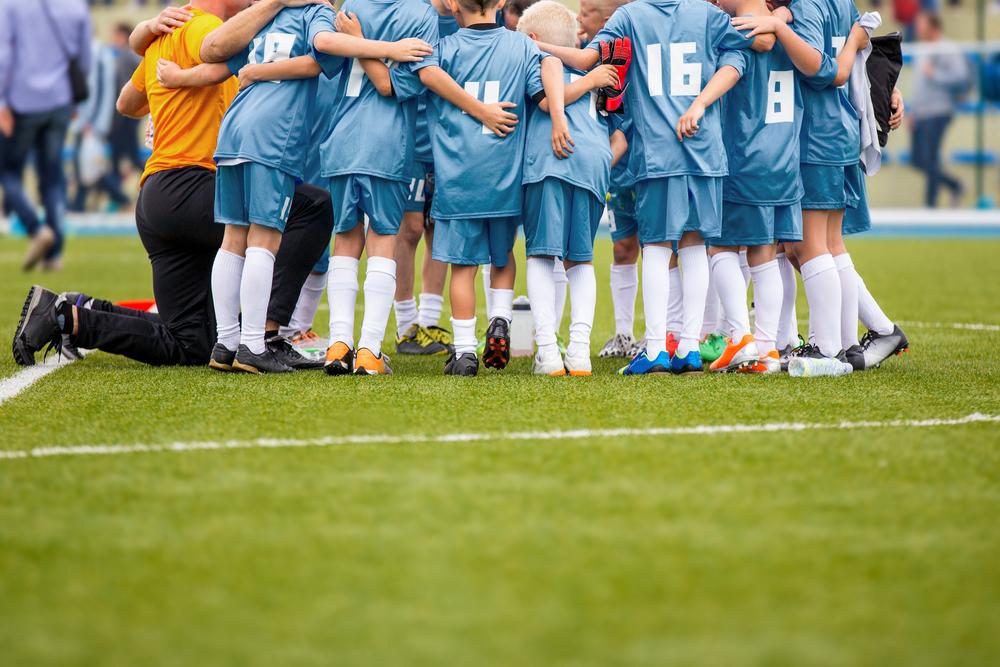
222	359
855	356
497	352
877	347
465	364
289	355
248	362
38	326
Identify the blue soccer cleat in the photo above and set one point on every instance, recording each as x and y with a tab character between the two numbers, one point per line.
690	363
641	364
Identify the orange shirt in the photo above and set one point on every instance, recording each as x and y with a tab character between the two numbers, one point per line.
185	120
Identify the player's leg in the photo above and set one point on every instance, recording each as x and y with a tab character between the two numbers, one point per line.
49	143
342	279
767	296
624	274
545	214
405	305
675	307
583	224
728	280
851	348
431	303
227	270
788	326
503	271
464	245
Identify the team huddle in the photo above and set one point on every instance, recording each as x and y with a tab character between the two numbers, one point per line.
718	139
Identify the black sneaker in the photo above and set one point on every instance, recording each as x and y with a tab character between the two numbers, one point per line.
497	352
39	325
289	355
222	359
877	348
248	362
466	364
855	356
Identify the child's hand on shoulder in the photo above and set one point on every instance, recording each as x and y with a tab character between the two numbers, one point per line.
249	75
757	25
497	119
783	14
562	140
687	126
409	50
168	73
604	76
348	23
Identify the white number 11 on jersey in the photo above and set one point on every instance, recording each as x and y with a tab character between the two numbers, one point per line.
491	95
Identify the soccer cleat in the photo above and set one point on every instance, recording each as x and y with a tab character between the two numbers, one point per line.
735	355
366	363
222	358
767	364
712	347
672	344
804	349
496	354
263	363
855	356
442	336
877	347
291	356
618	345
551	366
578	365
690	363
339	359
637	347
407	342
465	364
38	326
642	365
418	340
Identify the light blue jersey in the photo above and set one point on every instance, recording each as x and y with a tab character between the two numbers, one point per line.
478	174
447	25
373	134
622	177
323	117
830	126
761	121
269	122
589	166
677	46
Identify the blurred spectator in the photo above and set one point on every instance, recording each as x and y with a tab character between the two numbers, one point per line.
941	78
37	42
124	130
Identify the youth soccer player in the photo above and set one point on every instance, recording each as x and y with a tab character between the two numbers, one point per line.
482	76
686	57
564	199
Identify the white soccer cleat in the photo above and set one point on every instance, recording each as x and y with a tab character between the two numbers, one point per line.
551	365
578	362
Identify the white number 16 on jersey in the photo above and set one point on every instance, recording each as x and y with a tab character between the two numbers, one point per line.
685	77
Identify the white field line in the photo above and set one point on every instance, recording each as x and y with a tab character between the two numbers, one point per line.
18	382
961	326
445	438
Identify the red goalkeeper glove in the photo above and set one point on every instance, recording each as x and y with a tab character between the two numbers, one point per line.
619	55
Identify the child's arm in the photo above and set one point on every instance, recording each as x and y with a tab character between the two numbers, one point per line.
804	56
581	59
163	23
375	70
555	93
409	50
494	116
233	36
132	102
605	76
856	41
720	83
301	67
619	146
170	75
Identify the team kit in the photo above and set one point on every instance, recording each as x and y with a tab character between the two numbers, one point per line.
719	140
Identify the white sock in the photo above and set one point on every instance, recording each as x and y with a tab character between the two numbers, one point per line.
255	293
582	303
788	324
694	281
675	304
430	309
767	298
870	312
465	335
502	303
728	280
305	308
486	289
541	293
380	286
227	272
848	300
561	286
624	286
406	314
713	308
822	283
655	290
342	292
745	268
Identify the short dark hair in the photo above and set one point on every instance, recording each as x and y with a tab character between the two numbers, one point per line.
124	28
934	20
481	6
518	6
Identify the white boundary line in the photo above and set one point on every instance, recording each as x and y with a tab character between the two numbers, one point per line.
516	436
11	386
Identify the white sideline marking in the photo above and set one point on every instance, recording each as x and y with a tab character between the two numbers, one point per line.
965	326
416	438
18	382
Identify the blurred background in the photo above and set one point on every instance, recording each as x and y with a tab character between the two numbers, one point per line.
946	156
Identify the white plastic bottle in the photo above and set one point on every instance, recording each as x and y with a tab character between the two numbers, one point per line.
806	367
522	329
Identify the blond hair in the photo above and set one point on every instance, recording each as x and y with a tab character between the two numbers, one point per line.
551	22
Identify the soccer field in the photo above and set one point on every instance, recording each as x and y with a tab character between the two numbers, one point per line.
195	518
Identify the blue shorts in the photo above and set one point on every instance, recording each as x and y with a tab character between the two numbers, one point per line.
560	220
753	225
474	242
831	188
419	198
667	207
251	193
381	199
857	217
323	264
621	206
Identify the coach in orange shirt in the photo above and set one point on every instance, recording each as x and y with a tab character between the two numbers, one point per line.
174	212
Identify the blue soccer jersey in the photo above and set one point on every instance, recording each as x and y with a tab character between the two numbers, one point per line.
327	94
447	25
589	166
621	174
761	121
831	133
269	122
677	46
373	134
478	174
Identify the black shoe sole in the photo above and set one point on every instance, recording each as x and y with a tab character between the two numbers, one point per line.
497	353
337	368
23	356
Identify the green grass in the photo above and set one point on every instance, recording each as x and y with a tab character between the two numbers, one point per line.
867	547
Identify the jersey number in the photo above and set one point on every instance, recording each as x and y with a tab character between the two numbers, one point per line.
277	47
780	97
355	79
838	42
593	98
491	95
685	77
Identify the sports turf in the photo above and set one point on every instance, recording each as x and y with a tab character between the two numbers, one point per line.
869	546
